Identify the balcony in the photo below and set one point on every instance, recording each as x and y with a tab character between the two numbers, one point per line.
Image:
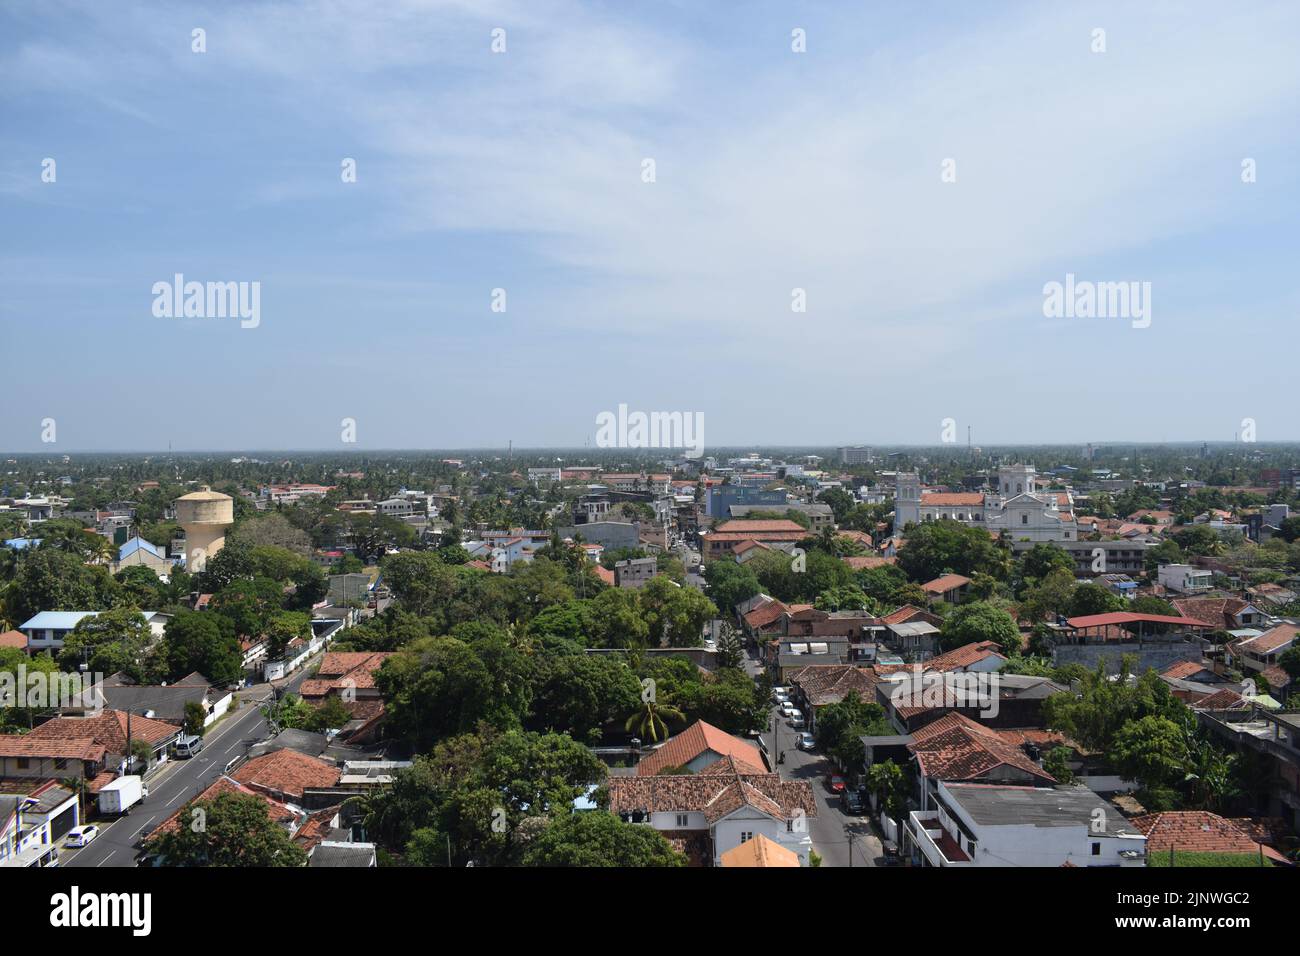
936	843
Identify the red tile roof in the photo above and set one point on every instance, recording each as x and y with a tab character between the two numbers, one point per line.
763	526
67	748
962	657
107	729
701	738
869	561
1271	640
945	583
961	498
14	639
1194	831
715	794
287	773
1124	617
954	747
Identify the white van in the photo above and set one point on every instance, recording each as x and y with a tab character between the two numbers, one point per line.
187	746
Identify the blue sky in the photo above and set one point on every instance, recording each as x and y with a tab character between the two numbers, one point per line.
522	171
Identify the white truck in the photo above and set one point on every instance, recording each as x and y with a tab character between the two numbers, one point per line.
120	795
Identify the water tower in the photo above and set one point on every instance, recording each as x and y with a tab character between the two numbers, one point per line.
206	516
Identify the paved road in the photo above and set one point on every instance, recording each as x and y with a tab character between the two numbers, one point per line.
180	780
840	840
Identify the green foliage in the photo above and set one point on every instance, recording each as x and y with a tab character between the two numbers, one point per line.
939	547
730	583
981	621
599	839
236	831
204	642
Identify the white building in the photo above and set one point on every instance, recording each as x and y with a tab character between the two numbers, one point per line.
1184	578
982	825
719	807
1017	507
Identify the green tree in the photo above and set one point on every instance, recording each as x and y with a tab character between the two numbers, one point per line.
980	621
229	830
203	642
1151	750
600	839
649	722
938	547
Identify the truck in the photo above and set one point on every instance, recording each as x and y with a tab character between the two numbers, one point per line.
120	795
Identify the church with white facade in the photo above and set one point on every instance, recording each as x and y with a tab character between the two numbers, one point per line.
1016	507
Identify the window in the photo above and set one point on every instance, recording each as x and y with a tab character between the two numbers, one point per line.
1024	519
61	763
682	820
1096	849
746	836
23	763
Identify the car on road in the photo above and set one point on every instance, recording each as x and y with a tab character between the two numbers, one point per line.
187	745
787	708
81	836
783	691
835	783
806	741
851	802
795	717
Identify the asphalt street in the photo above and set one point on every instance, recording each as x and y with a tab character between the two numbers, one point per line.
177	781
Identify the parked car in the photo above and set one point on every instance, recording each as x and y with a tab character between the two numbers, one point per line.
187	746
81	836
851	802
835	782
796	721
788	708
806	741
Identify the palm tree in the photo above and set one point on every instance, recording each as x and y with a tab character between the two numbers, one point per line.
648	721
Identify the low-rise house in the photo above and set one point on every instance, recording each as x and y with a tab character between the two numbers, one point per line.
956	749
32	822
47	630
634	572
92	748
1201	832
335	853
161	701
759	852
1274	595
980	825
951	588
1184	579
137	552
350	677
819	685
718	809
14	640
718	543
1262	652
699	746
1221	613
286	774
